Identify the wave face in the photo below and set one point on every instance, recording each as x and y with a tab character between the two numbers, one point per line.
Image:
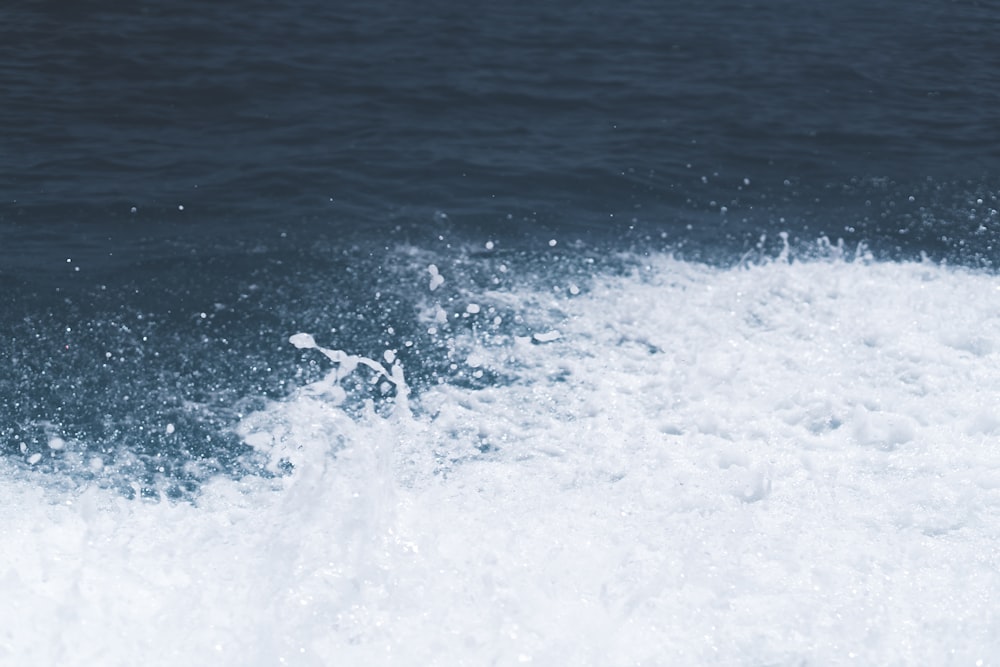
782	462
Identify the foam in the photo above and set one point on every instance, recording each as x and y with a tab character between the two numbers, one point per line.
787	463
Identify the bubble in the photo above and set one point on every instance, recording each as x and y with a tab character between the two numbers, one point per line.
547	336
436	278
302	341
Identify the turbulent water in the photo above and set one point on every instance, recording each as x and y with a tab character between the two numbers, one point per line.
549	334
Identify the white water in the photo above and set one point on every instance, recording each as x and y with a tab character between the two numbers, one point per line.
794	463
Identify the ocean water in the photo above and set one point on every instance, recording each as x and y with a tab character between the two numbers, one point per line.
540	333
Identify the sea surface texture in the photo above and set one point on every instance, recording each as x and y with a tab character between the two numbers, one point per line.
385	333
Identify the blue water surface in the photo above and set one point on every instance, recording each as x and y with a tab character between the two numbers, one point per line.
185	184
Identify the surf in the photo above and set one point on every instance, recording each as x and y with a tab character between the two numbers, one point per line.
774	462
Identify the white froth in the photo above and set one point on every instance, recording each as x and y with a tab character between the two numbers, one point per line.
303	341
436	278
782	464
546	336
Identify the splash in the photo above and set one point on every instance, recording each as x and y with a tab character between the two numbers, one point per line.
785	463
345	364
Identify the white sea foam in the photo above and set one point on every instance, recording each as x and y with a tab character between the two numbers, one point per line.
793	463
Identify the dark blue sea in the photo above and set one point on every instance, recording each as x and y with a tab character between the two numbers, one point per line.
184	184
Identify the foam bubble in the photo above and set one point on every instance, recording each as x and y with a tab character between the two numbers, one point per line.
303	341
546	336
436	278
